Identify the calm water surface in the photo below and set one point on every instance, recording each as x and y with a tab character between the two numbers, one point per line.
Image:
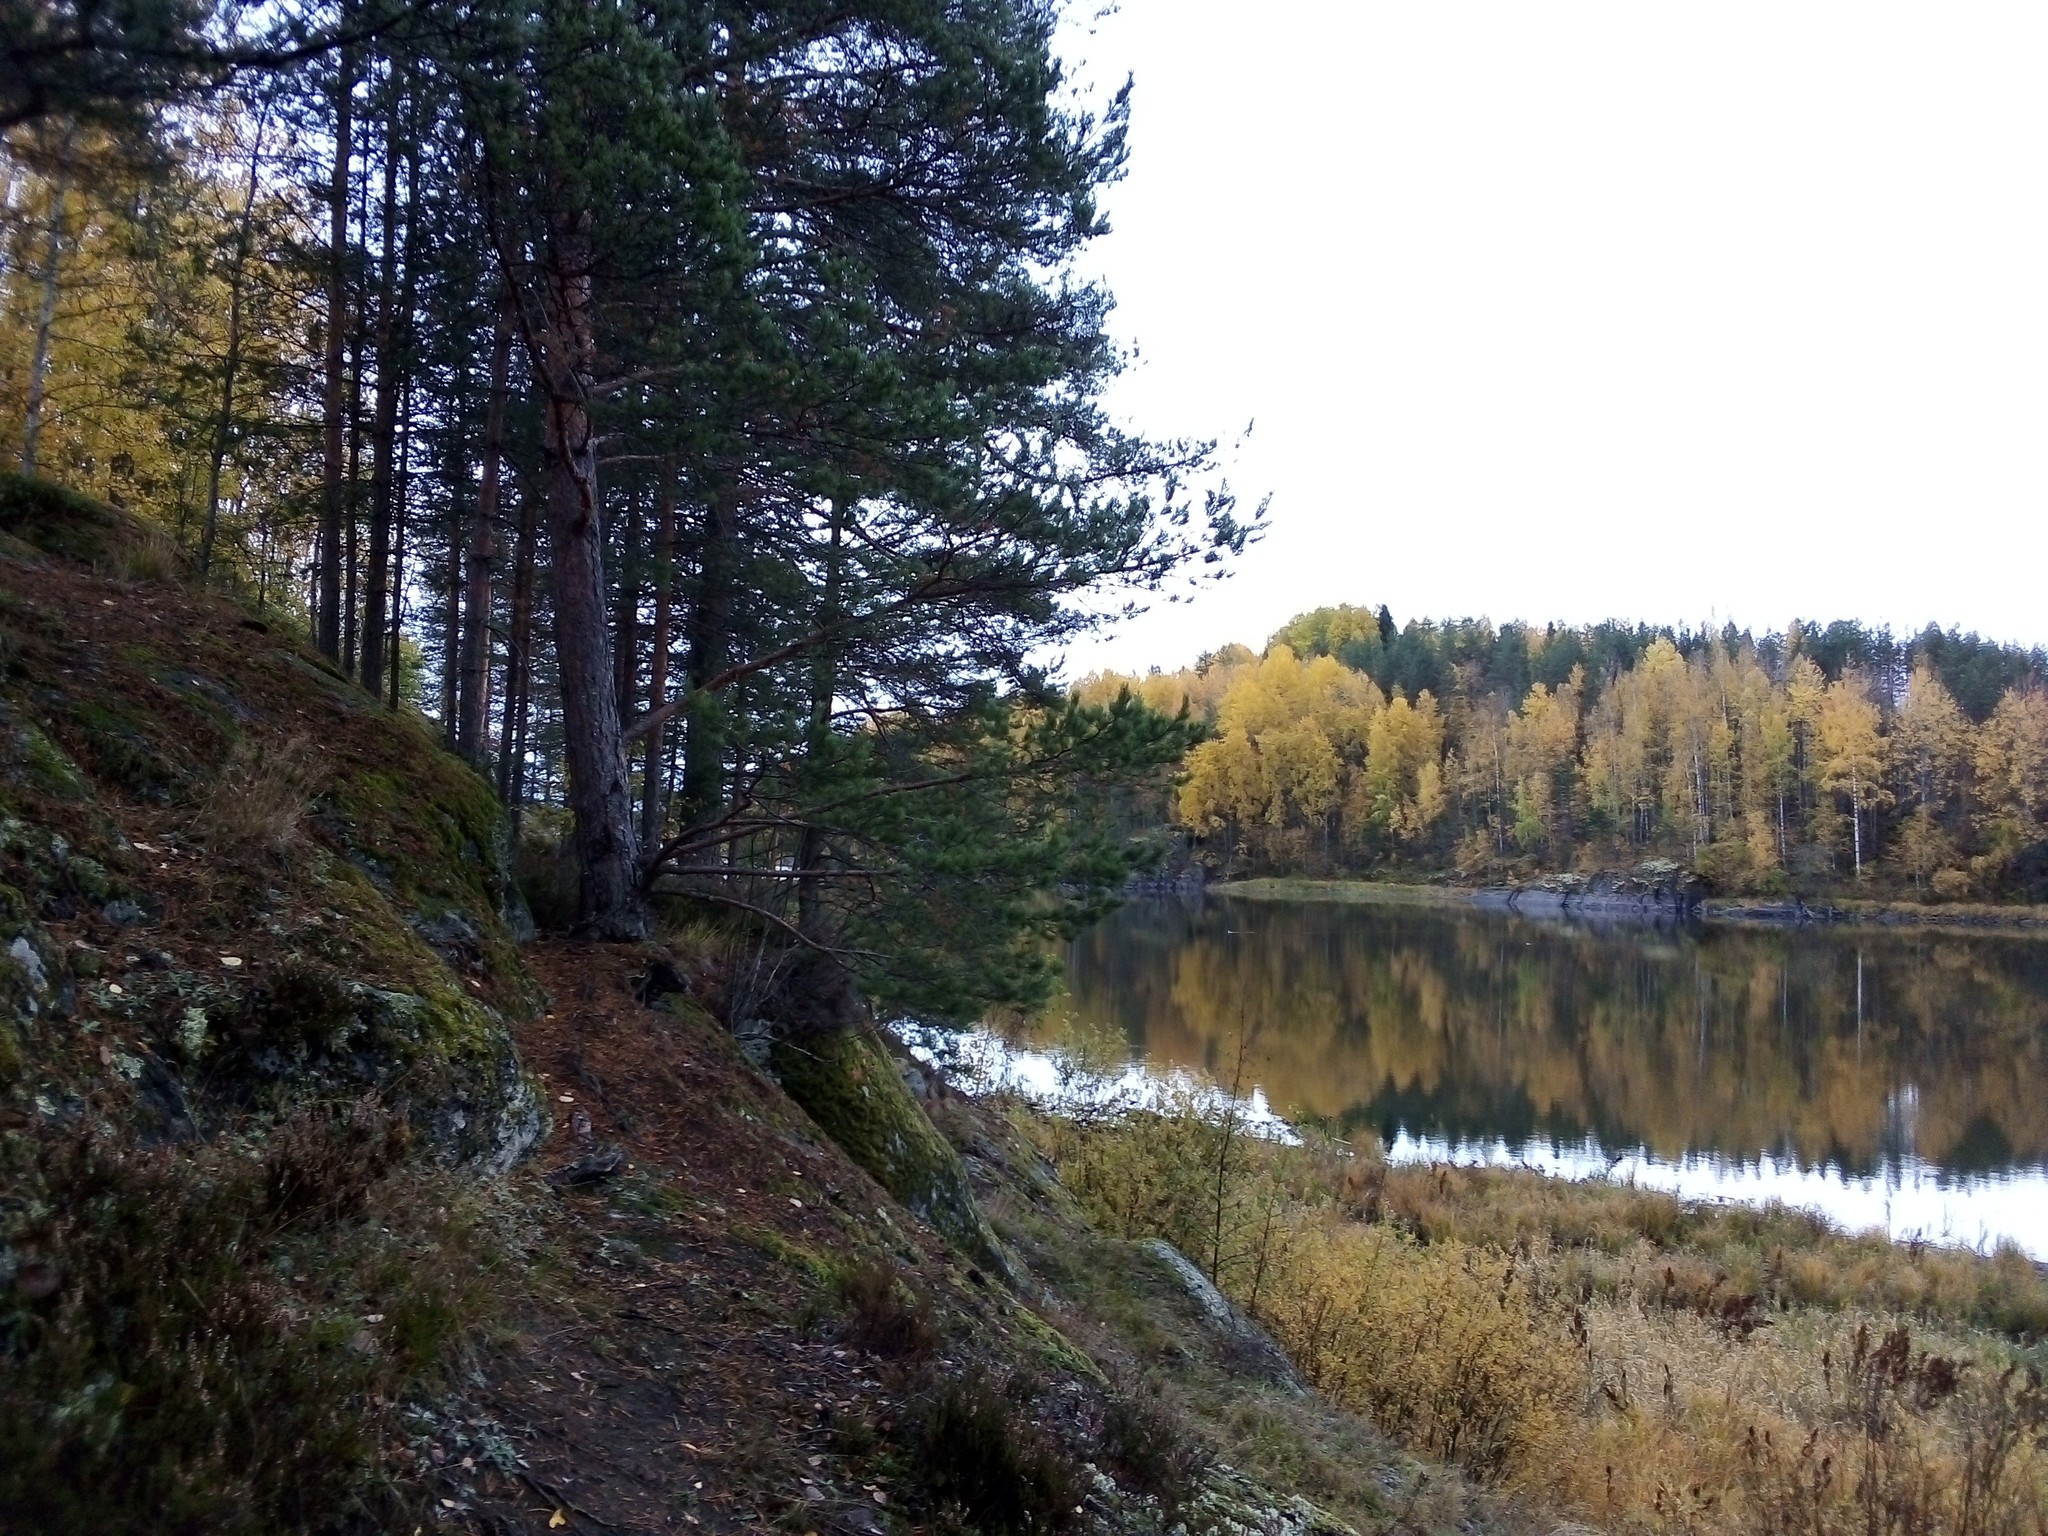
1891	1080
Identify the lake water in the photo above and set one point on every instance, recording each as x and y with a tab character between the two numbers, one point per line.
1893	1080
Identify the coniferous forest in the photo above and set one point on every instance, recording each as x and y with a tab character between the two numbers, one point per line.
691	409
1823	758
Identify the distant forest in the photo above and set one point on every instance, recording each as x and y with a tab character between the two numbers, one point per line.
1818	758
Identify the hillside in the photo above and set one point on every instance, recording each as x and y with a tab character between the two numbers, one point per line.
333	1199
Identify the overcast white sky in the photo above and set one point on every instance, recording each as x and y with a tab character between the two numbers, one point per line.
1559	309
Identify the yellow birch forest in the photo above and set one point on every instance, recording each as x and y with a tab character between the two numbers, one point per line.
1816	759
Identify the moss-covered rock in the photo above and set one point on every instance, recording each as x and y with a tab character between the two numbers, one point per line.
220	852
848	1083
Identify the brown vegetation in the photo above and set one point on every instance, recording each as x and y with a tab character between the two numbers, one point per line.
1619	1357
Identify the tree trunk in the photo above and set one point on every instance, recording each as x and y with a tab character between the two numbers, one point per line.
600	794
626	627
351	516
400	502
1856	819
223	426
327	631
384	431
651	819
518	668
475	696
46	313
710	647
824	687
458	538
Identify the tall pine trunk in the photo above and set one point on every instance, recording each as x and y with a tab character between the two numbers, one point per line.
651	817
327	632
600	793
811	850
475	701
400	502
518	668
458	539
710	649
351	515
626	627
384	432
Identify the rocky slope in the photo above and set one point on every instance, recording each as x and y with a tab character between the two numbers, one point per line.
331	1199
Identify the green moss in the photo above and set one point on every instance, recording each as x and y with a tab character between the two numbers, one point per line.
849	1085
812	1265
1059	1352
397	967
38	763
117	748
56	521
430	836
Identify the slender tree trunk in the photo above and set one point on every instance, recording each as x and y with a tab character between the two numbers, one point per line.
352	521
600	793
458	538
1856	819
327	631
384	431
471	736
651	819
263	564
710	646
401	501
223	426
518	667
46	313
824	687
626	627
352	509
9	174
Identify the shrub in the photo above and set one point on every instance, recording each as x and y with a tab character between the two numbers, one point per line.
301	1008
1146	1441
187	1341
322	1162
1446	1347
886	1314
981	1464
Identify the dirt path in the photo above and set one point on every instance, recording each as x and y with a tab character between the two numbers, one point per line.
673	1366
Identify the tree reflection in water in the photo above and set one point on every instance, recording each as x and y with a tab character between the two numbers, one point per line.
1857	1050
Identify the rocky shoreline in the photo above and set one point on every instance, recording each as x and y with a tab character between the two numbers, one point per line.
1645	896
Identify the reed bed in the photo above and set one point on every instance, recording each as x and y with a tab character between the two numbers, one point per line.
1609	1356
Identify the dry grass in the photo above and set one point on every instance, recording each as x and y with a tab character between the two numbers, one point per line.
1625	1240
261	797
1611	1356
